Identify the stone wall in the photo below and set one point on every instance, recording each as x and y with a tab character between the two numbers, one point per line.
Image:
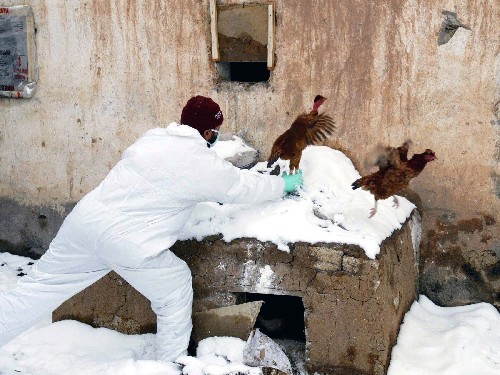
108	71
353	305
460	261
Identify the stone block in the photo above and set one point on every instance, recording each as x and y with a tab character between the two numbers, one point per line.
112	303
328	259
229	321
351	265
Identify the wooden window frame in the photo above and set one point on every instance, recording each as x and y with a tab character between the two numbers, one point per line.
270	32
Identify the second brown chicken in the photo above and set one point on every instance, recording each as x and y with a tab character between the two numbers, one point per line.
394	174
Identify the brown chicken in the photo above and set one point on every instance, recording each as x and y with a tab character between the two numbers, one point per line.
307	129
394	174
385	157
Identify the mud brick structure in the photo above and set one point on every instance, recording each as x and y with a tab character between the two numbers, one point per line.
352	305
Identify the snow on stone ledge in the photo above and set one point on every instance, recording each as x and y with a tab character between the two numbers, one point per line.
325	210
232	147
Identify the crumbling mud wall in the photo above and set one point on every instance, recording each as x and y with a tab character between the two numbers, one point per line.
112	303
353	305
460	261
419	69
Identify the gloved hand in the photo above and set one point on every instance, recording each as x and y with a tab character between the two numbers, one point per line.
292	181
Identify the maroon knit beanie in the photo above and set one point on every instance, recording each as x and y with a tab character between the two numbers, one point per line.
201	113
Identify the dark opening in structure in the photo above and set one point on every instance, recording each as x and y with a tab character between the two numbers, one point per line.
280	317
250	72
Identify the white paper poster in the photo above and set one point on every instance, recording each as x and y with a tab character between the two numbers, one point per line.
17	70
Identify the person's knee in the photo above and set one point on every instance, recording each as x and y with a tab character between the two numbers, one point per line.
181	292
183	272
186	274
186	282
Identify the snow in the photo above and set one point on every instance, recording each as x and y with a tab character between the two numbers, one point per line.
432	340
460	340
326	209
231	147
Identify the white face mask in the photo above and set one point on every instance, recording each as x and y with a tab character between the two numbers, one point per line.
213	139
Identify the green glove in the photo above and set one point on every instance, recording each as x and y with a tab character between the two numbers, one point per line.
292	181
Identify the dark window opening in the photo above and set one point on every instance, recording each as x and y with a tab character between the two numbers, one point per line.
250	72
280	317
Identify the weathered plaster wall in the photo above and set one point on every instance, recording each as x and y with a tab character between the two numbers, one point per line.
111	70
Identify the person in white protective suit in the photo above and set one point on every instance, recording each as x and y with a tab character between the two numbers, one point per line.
129	222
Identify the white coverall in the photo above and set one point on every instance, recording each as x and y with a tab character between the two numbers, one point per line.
127	224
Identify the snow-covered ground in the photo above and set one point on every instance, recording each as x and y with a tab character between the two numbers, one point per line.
433	340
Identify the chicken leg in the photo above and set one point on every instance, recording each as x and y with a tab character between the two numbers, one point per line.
373	211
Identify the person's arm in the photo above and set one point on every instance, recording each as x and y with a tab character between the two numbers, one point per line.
245	186
217	180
